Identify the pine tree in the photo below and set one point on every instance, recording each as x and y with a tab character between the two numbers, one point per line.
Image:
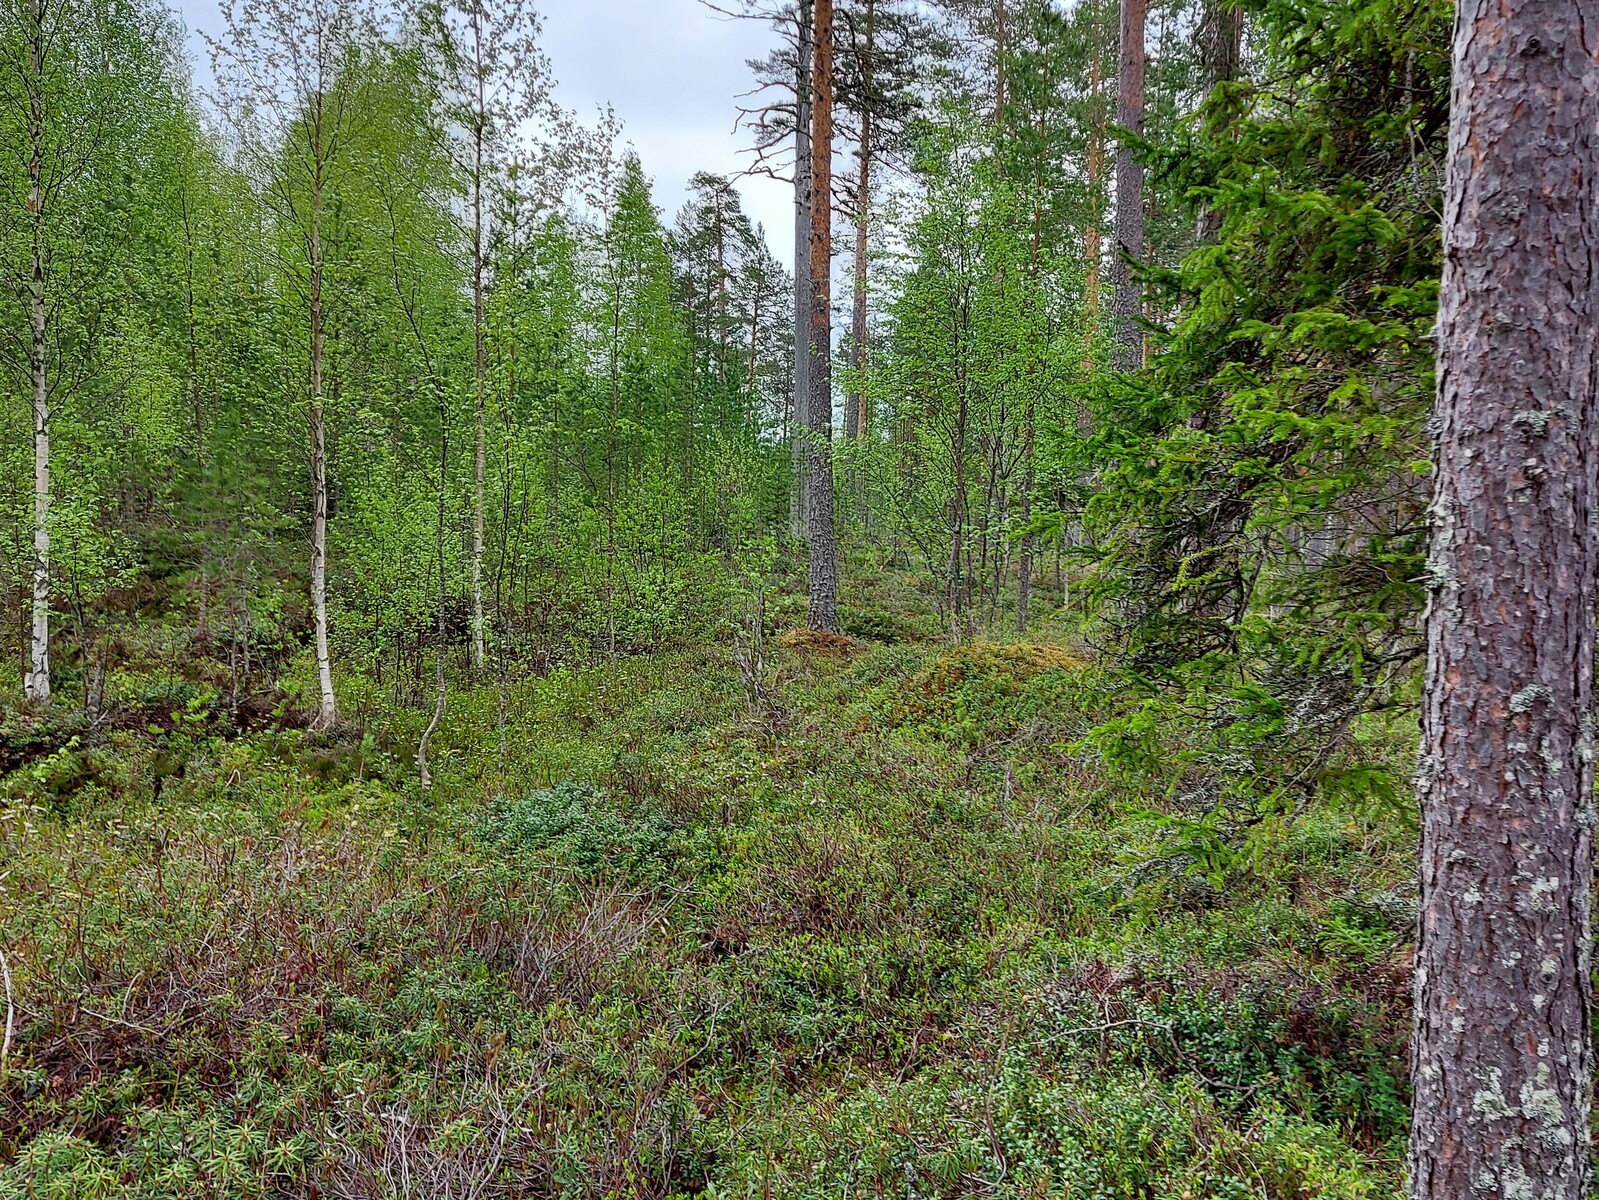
1502	1047
1126	302
820	534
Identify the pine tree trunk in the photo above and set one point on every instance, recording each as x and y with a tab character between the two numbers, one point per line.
327	712
1222	43
799	523
1093	236
1125	304
1502	1057
37	682
823	551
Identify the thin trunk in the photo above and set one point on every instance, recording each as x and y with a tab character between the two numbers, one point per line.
1093	236
958	507
202	630
37	682
857	416
721	314
823	551
328	712
1125	305
754	355
1502	1055
856	419
1024	577
799	521
479	356
610	475
441	695
999	66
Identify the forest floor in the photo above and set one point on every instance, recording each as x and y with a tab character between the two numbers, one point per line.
868	922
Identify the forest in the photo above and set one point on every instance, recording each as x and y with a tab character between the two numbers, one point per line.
1079	686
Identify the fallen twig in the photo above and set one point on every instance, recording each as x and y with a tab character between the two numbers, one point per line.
11	1015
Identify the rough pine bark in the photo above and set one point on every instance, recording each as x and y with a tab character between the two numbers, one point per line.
1093	235
1221	41
37	683
1502	1058
823	550
1129	192
1221	49
799	501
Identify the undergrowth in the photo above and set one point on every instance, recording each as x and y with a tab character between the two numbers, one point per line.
895	927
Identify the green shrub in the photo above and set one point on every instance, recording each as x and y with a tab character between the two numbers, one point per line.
577	825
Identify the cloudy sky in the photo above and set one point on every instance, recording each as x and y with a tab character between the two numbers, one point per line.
671	69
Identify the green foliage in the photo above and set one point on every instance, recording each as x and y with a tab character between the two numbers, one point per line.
698	902
839	934
576	825
1258	507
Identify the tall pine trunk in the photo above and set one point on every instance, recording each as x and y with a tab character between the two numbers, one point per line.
1129	191
1502	1057
823	550
1093	236
799	499
1221	46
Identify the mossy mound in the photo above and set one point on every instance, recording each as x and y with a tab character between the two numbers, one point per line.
819	643
985	691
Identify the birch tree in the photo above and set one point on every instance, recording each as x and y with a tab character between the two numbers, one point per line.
282	68
494	82
78	87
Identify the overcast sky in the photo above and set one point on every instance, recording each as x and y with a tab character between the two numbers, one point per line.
671	69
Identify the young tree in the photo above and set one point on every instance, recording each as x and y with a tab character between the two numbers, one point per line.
405	158
882	57
494	80
857	413
643	351
1129	354
823	551
76	81
804	208
283	67
1503	1062
33	46
790	70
